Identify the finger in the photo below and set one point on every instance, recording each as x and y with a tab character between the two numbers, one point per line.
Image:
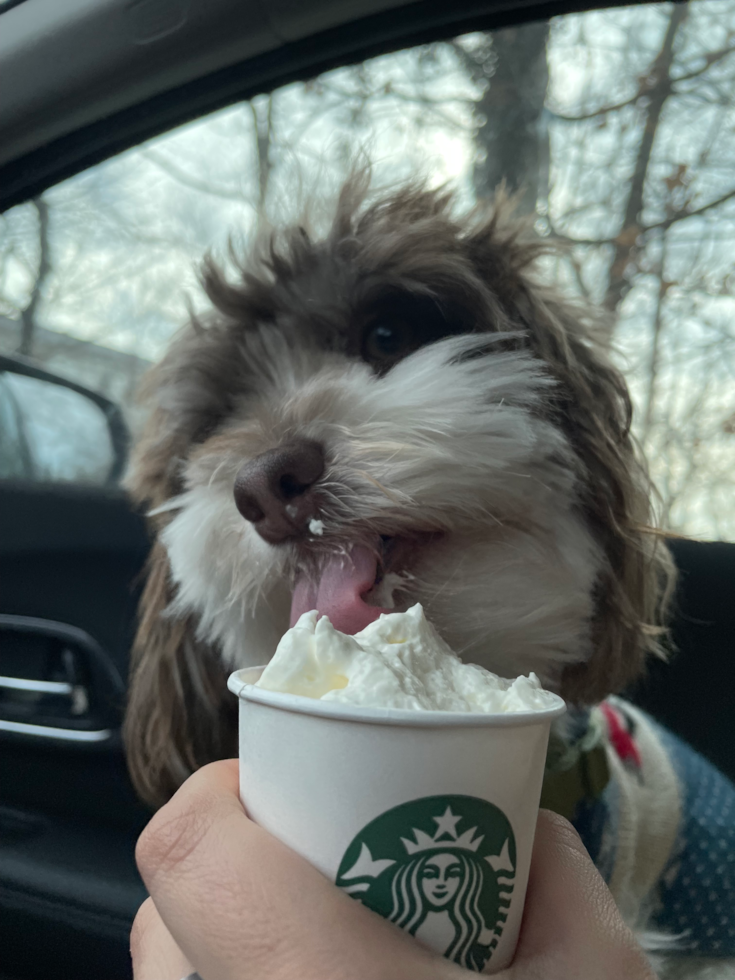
571	925
242	905
155	953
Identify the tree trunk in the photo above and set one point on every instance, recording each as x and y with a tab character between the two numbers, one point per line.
263	122
659	89
28	321
511	135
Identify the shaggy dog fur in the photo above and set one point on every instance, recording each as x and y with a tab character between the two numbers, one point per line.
491	441
497	438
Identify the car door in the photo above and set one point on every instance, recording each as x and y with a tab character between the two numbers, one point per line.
103	223
71	558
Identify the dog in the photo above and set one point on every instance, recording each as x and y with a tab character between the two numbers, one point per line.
400	410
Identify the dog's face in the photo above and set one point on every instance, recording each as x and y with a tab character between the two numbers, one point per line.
394	414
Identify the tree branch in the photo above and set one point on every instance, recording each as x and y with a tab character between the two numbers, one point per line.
682	215
712	58
644	229
188	180
583	117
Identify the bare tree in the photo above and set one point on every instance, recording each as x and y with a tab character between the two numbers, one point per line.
511	140
262	113
642	190
654	89
617	128
28	314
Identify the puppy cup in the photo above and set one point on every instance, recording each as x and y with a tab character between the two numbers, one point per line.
427	817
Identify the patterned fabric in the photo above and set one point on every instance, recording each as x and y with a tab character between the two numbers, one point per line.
697	892
694	896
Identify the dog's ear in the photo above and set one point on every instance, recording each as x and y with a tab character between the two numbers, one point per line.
593	406
194	386
180	714
184	396
177	688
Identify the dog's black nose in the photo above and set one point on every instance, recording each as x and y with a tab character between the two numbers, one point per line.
274	490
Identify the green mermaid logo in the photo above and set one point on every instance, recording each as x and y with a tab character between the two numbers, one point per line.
442	868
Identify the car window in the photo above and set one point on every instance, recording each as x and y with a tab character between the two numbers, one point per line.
16	461
60	434
616	129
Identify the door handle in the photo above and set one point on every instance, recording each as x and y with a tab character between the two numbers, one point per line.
81	695
37	687
94	735
76	693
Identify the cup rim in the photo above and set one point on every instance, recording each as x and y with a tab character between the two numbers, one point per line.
242	684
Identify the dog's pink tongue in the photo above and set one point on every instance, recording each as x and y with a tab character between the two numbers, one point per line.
338	593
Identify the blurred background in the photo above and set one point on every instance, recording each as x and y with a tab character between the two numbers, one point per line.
615	127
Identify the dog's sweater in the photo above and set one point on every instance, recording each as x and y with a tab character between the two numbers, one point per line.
657	819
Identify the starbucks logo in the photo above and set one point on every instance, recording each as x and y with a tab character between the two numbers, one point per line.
442	868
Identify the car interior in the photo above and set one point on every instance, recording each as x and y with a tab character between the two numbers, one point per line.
94	85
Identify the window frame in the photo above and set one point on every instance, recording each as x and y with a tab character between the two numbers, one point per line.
352	38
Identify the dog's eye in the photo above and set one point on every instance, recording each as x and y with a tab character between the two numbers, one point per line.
387	341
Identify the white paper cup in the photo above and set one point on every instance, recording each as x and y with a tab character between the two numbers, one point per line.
427	817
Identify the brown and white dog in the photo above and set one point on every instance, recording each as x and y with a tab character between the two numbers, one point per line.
396	412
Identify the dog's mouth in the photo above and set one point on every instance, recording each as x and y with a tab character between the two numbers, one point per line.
354	586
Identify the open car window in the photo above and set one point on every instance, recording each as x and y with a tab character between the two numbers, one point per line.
615	128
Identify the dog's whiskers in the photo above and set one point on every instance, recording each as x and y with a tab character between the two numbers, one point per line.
217	470
393	497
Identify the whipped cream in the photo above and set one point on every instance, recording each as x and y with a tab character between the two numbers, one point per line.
398	661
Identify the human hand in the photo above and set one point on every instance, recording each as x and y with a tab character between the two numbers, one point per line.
234	903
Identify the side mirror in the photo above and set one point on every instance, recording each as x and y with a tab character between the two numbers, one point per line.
53	430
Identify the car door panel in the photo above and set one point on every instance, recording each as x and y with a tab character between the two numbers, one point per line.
68	892
71	562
